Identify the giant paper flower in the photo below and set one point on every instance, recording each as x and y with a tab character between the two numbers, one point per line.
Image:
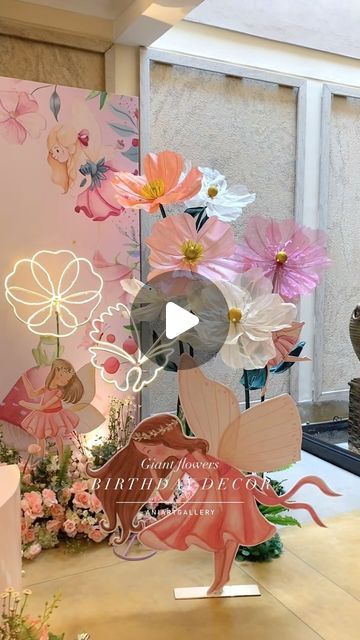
163	183
290	255
19	117
253	312
176	244
227	204
54	292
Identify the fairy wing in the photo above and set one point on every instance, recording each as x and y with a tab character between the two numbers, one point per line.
267	437
90	417
209	406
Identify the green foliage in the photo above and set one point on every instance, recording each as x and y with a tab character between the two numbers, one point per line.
7	454
63	472
102	452
261	552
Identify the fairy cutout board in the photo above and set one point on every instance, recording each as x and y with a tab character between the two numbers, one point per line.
60	148
222	462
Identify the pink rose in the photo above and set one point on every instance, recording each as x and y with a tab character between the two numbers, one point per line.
32	551
96	534
69	527
82	500
32	504
29	535
95	504
27	479
53	526
49	497
79	485
57	511
65	495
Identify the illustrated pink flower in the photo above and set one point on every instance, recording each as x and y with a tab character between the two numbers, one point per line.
163	183
291	255
82	500
176	244
32	551
69	527
112	273
49	497
79	485
98	201
19	117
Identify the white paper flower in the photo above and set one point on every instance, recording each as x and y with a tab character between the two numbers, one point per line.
54	292
252	313
227	204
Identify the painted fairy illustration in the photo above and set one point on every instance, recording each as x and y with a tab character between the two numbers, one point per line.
224	511
48	418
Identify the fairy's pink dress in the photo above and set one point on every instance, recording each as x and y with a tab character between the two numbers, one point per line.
44	423
227	514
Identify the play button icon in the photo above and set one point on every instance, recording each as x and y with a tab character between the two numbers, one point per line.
178	312
178	320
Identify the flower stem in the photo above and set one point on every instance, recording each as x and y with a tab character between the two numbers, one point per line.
163	212
247	390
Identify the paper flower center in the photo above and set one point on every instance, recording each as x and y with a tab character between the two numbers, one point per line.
153	189
212	191
234	315
192	251
281	257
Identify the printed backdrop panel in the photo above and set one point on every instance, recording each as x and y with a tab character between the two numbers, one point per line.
59	150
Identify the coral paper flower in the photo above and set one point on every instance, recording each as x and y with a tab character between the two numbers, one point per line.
19	117
291	255
163	183
54	292
227	204
253	312
176	244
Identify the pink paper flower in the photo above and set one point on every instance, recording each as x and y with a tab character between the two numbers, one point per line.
163	183
69	527
82	500
175	244
19	117
291	255
49	497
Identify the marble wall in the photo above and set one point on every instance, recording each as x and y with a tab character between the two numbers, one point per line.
247	130
52	63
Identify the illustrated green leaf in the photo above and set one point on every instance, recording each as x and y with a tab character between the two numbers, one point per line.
93	94
122	129
103	96
287	521
55	103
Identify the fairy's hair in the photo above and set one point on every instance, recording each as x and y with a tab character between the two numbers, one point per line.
64	173
74	389
122	503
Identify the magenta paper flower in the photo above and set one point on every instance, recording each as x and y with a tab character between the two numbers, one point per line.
19	117
291	255
98	201
175	244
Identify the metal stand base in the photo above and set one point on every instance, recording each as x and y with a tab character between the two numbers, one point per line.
229	591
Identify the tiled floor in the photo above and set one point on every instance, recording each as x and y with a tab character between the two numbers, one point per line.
311	592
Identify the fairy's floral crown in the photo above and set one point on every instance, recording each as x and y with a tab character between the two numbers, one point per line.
153	433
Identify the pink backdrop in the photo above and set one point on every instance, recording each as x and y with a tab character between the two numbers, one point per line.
59	147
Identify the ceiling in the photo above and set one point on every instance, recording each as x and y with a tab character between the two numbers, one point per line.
326	25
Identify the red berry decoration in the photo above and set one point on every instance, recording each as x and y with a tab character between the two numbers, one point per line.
111	365
135	142
130	346
110	337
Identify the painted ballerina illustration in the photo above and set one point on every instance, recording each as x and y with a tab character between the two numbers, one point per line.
222	513
48	418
